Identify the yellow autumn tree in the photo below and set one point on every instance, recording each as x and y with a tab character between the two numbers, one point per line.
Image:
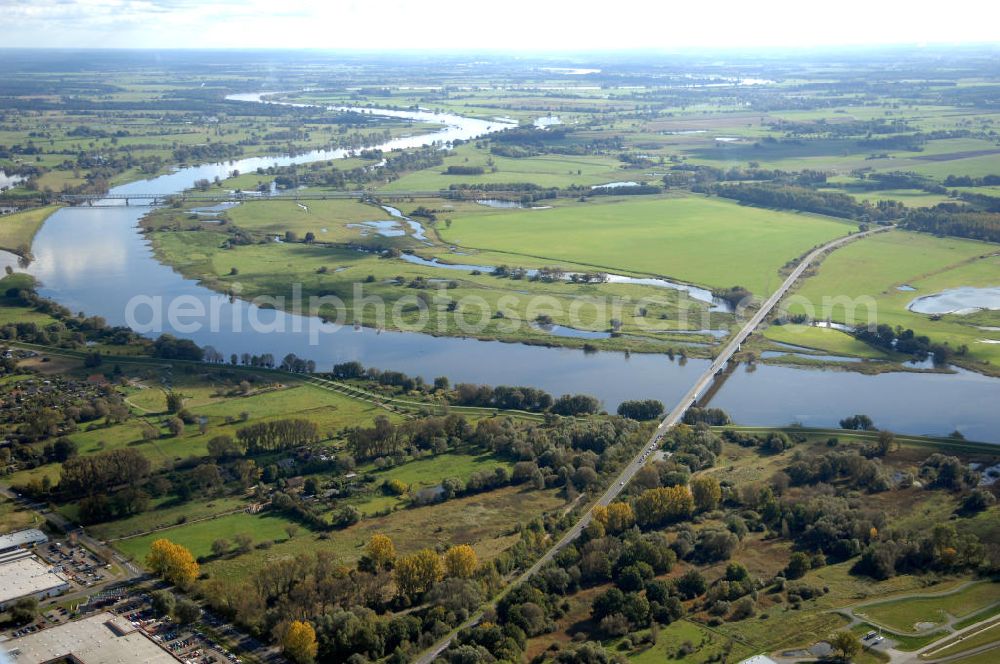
600	513
416	573
707	493
620	517
663	505
381	551
173	562
299	642
461	561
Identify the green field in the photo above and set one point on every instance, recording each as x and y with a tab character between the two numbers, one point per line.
327	219
902	615
859	282
708	646
545	171
834	342
198	537
17	230
430	471
14	518
699	240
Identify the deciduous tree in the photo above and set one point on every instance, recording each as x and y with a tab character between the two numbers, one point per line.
173	562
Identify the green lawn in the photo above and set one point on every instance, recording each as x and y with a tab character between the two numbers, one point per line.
430	471
902	615
708	646
859	282
198	537
163	513
700	240
827	340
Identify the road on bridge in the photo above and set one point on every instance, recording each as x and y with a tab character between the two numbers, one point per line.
672	418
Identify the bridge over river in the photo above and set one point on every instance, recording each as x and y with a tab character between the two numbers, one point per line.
210	197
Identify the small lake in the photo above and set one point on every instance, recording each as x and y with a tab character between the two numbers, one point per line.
499	203
957	301
415	226
571	332
615	185
383	228
547	121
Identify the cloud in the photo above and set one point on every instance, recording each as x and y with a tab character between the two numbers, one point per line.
512	24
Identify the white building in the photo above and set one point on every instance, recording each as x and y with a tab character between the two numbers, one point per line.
24	575
21	539
103	638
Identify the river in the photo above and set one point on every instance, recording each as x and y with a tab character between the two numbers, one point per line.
94	260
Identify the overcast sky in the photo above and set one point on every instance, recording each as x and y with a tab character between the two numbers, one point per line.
503	24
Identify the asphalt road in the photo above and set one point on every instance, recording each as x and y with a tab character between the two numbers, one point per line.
672	418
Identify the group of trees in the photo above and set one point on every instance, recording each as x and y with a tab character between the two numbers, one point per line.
904	341
792	197
468	394
648	409
315	607
97	473
277	435
957	220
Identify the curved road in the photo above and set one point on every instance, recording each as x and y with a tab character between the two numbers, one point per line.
672	418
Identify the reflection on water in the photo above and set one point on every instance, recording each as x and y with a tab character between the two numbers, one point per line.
571	332
917	403
957	301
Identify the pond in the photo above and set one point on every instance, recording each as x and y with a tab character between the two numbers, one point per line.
615	185
572	332
957	301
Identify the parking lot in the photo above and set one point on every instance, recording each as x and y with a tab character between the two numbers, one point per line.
76	562
187	643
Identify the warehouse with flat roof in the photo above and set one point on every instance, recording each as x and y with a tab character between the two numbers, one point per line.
103	638
22	538
24	575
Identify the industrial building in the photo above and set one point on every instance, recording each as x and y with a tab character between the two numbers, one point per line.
24	575
103	638
22	539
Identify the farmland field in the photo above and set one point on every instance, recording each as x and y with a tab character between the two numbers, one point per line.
698	240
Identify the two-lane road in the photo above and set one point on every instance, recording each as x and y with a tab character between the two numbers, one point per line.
672	418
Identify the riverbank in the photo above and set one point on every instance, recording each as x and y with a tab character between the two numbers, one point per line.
18	230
